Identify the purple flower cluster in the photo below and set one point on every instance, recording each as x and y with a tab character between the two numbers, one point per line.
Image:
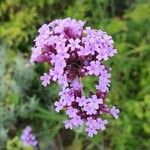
73	52
27	138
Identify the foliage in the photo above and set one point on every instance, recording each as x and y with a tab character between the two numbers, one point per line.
15	144
24	101
15	81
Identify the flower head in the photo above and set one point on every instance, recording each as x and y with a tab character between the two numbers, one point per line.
72	53
28	138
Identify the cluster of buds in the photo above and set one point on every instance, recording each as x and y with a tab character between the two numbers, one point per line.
28	138
74	52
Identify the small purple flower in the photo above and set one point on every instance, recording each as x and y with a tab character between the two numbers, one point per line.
114	111
101	123
74	44
82	101
91	131
45	79
55	74
111	51
43	29
64	91
62	53
104	81
63	81
27	137
94	68
95	102
89	109
92	123
68	99
54	58
102	86
71	112
102	55
77	121
59	105
68	124
59	66
76	84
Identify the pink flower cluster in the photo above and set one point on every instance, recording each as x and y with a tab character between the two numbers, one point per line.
73	52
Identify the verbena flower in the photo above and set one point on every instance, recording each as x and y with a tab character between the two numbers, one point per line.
28	138
73	52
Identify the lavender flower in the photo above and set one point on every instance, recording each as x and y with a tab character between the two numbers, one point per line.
73	52
73	44
27	138
45	79
114	112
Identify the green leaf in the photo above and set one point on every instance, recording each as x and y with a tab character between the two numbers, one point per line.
48	138
48	115
13	98
96	140
138	110
146	127
116	25
89	84
140	13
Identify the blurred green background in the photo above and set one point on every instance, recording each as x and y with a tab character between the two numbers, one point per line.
24	101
